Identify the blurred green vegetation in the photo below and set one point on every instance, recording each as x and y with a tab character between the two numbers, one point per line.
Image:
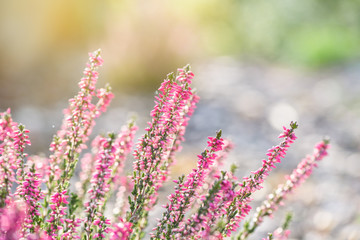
43	44
310	33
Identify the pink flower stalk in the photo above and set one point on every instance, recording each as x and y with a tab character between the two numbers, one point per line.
102	225
153	150
70	228
121	230
199	225
57	213
21	139
13	139
212	196
121	205
185	191
87	168
78	123
281	234
215	171
104	162
7	156
105	96
239	207
176	147
29	190
215	206
123	146
7	127
76	128
40	162
298	176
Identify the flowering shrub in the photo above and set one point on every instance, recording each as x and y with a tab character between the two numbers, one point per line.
36	201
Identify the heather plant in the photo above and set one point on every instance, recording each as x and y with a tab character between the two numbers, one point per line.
36	201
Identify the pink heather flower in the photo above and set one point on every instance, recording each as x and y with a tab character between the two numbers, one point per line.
121	230
8	157
281	234
215	172
78	122
29	190
7	127
188	111
70	229
13	139
121	203
239	207
212	196
40	162
217	195
184	117
153	150
102	225
123	146
21	139
199	225
76	128
104	162
105	96
298	176
56	220
185	191
88	167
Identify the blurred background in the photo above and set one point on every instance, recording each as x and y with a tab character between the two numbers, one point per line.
258	65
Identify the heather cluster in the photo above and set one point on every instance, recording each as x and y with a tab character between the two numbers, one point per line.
40	198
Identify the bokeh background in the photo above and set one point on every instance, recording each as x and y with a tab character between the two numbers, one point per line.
258	65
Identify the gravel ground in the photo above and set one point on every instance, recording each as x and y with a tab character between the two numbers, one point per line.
250	103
